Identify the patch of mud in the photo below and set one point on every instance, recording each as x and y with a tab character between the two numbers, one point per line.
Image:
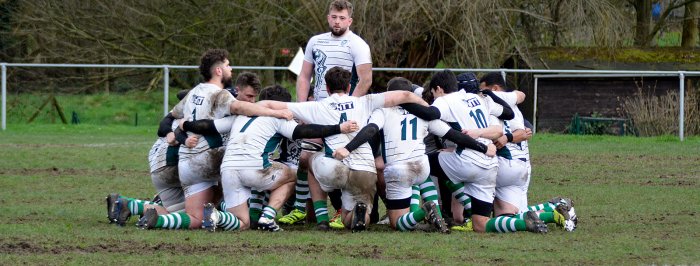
24	246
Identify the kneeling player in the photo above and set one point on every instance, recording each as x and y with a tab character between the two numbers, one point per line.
246	166
407	167
355	175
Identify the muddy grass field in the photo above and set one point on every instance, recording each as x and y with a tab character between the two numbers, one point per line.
638	202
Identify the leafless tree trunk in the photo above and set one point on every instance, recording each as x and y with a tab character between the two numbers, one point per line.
690	25
643	24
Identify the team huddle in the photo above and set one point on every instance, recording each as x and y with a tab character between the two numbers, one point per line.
451	157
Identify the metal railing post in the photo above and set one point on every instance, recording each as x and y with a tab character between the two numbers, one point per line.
503	74
166	87
681	115
534	109
4	96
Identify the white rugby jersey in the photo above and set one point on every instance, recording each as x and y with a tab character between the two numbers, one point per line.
337	109
517	150
326	51
162	154
253	139
465	110
205	101
404	133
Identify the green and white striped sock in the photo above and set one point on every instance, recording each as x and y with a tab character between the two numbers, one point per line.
321	211
256	204
408	222
429	193
415	199
228	221
547	206
137	206
301	191
178	220
505	224
269	212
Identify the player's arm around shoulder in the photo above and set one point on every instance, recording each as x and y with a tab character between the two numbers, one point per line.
394	98
254	109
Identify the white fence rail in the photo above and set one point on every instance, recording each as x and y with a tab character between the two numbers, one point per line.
542	73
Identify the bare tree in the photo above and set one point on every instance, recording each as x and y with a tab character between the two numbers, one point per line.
644	32
690	25
401	33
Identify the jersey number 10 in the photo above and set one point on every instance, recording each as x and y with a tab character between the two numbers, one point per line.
479	118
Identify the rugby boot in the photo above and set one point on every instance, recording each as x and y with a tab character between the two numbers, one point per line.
210	217
268	224
337	221
149	219
293	217
323	226
358	217
121	211
384	220
468	226
534	224
111	199
567	215
432	217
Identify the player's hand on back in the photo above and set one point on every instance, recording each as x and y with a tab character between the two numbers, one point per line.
341	154
528	133
491	150
349	126
170	138
191	141
501	141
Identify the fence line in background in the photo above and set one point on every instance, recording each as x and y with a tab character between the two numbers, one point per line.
557	73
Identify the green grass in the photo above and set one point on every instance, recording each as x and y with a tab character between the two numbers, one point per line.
638	202
130	108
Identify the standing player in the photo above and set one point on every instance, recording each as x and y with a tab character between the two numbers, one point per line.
198	167
356	175
338	48
407	166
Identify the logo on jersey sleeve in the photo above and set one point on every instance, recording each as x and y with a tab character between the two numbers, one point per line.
472	102
197	100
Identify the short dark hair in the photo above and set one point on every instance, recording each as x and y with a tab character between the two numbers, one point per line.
340	5
445	79
493	78
467	81
399	84
337	79
245	79
275	93
210	58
